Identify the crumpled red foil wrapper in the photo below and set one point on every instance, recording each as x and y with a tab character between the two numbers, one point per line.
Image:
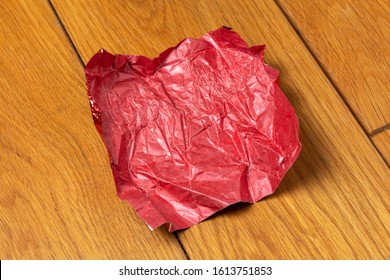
202	126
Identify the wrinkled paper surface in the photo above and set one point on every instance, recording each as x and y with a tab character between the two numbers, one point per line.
202	126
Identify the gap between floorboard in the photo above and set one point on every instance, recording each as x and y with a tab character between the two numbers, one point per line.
66	33
307	45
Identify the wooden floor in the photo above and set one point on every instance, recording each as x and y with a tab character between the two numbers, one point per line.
58	198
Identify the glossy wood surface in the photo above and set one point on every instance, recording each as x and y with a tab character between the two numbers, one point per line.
58	197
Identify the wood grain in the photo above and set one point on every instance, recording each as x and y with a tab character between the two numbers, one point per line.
334	202
382	142
351	39
57	197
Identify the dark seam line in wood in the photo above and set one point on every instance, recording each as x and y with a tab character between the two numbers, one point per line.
322	66
182	246
82	63
380	130
66	34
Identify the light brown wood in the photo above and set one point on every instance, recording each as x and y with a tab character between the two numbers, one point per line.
351	40
57	196
334	202
382	142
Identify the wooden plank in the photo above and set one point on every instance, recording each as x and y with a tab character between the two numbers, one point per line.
334	201
382	142
57	198
351	40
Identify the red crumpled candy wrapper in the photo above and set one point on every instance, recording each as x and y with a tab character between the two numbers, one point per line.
202	126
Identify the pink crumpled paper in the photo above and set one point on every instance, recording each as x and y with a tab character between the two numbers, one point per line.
202	126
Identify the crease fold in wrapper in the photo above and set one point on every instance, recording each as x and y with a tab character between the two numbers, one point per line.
202	126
